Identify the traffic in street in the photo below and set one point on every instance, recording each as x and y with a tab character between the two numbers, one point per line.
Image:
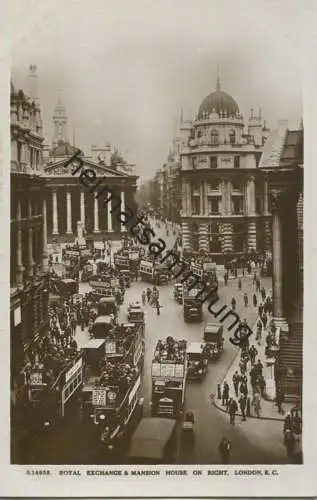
72	442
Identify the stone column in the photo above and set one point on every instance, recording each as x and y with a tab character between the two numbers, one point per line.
109	217
203	237
44	234
229	208
82	208
267	222
55	212
96	216
184	199
69	213
277	261
30	269
20	268
206	197
189	200
251	196
223	198
186	240
201	199
123	228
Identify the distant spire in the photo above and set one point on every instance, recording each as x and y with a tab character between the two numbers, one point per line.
182	115
218	86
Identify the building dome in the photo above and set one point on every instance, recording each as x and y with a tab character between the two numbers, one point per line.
218	101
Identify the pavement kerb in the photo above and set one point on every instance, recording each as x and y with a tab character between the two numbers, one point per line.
221	408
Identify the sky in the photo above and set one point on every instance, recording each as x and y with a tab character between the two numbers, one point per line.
125	68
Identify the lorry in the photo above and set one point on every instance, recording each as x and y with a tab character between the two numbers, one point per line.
213	339
169	372
111	406
192	306
154	442
197	360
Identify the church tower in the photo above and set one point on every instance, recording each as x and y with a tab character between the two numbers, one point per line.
60	123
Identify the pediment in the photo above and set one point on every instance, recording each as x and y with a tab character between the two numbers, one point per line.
64	169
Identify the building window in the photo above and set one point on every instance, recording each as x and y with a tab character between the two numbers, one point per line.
235	185
213	185
194	160
237	162
237	206
213	207
213	162
232	137
195	206
198	134
214	137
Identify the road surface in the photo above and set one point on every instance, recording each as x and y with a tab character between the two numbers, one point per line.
253	441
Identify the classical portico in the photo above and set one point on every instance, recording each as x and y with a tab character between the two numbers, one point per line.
69	201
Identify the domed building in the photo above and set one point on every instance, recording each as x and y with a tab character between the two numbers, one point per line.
224	195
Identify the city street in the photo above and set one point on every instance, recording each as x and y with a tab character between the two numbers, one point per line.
69	445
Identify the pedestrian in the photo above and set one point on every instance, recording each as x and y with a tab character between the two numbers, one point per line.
218	391
259	368
256	403
287	423
239	284
262	386
279	399
255	300
254	279
235	381
248	407
289	442
253	379
245	299
253	353
143	297
233	303
264	320
243	405
224	450
244	389
233	408
243	366
263	293
226	278
158	307
148	294
225	393
258	285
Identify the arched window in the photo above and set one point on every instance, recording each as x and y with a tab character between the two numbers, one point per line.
198	134
232	137
214	137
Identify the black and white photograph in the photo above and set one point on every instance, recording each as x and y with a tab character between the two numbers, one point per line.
156	239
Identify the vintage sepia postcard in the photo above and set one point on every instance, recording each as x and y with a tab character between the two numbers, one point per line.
152	288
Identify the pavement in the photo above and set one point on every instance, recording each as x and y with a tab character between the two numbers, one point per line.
269	410
256	441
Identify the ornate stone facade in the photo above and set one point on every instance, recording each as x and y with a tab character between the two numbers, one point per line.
224	195
28	236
